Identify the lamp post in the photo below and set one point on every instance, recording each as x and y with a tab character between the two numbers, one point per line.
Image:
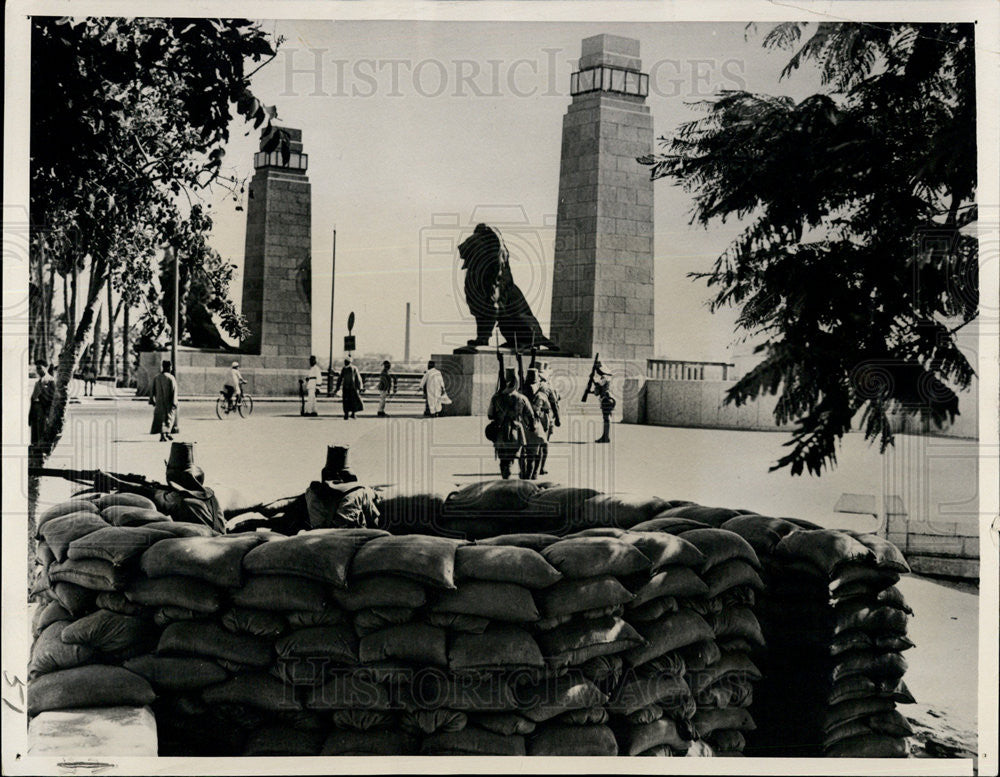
333	272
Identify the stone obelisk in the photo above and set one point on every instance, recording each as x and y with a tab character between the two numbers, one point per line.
602	290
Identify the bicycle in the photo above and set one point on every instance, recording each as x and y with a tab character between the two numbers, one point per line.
241	403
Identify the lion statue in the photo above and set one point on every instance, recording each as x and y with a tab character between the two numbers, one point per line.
493	297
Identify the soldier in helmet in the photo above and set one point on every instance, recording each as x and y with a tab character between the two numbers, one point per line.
602	387
511	417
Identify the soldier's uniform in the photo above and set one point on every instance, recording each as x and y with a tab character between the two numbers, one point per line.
512	417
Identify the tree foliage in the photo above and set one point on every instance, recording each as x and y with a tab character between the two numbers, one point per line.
129	121
854	270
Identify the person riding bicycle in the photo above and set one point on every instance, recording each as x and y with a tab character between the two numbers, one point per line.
233	386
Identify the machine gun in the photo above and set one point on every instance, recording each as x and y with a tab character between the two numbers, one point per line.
590	381
100	480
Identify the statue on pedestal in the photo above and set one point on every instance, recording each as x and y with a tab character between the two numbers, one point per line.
493	297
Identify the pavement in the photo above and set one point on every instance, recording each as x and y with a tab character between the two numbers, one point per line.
276	453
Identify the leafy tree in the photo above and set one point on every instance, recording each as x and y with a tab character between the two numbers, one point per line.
854	272
130	118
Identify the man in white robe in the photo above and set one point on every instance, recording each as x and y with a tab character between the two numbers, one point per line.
432	384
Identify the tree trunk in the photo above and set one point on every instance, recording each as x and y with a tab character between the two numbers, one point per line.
55	421
49	323
126	366
93	351
111	334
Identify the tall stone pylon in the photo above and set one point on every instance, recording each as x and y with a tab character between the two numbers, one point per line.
277	264
602	290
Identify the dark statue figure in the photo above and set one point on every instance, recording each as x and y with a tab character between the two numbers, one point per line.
493	297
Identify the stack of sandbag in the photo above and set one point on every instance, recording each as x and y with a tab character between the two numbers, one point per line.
836	628
84	628
716	599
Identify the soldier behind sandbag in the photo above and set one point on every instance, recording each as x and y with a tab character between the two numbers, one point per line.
511	416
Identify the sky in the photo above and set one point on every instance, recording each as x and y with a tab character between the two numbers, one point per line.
418	130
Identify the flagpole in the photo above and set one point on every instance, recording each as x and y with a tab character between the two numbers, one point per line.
333	274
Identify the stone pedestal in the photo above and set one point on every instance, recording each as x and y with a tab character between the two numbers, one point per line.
602	288
201	372
471	380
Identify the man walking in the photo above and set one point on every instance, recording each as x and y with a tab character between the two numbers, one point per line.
41	401
511	417
432	384
312	382
386	385
350	380
163	398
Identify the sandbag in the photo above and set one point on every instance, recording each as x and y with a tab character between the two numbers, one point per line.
346	688
677	581
535	542
431	721
281	593
668	663
411	513
209	639
303	619
731	574
638	691
363	720
94	685
283	741
50	653
644	736
491	497
59	532
75	599
468	693
254	689
668	525
825	549
838	714
428	560
621	509
256	623
106	631
887	555
115	544
877	666
472	740
504	564
869	746
75	505
718	546
860	687
655	610
91	573
182	528
332	644
579	594
578	642
44	554
882	620
316	555
852	579
730	666
602	668
497	601
171	673
381	591
563	740
737	622
891	723
216	560
725	740
579	557
129	516
124	499
346	742
46	615
665	551
420	643
672	633
453	621
560	504
645	714
761	532
176	591
164	616
501	646
377	618
505	723
708	720
549	698
710	516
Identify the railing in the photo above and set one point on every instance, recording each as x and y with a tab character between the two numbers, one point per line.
406	383
670	369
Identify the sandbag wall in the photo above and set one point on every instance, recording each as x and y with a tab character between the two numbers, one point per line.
360	642
836	629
